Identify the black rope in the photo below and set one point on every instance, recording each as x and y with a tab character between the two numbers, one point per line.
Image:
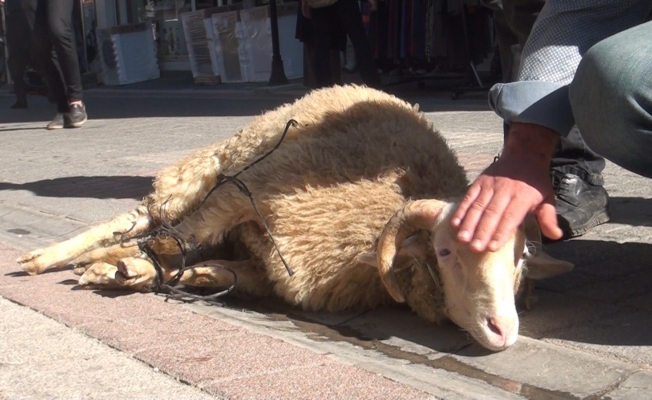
222	179
166	230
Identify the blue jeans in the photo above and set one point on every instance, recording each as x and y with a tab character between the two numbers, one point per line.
611	98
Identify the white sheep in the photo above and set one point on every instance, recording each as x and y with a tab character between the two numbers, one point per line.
358	198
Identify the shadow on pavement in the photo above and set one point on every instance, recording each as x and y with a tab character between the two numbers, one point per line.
98	187
634	211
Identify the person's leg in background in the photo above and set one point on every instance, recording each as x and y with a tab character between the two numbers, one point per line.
323	20
576	171
19	38
350	19
53	30
505	38
36	10
304	33
611	97
62	37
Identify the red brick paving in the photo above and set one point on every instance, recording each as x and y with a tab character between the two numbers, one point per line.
222	358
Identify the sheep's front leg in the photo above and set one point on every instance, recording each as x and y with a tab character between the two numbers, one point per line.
135	222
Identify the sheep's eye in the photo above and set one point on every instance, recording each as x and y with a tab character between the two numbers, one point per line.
444	252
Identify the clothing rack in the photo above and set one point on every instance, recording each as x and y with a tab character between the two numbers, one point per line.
406	14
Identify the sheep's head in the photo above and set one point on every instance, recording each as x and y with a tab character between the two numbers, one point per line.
479	288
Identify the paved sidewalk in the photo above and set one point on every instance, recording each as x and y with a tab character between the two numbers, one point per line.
588	335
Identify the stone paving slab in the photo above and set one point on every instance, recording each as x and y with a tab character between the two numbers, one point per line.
41	358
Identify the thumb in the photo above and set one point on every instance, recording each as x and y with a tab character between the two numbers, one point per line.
547	216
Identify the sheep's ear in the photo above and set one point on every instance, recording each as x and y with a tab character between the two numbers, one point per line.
368	258
410	248
542	266
532	231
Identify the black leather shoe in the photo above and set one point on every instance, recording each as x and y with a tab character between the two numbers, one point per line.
19	104
76	117
56	123
580	205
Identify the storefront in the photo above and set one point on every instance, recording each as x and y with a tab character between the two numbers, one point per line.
165	17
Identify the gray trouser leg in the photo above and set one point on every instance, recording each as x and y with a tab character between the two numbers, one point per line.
611	97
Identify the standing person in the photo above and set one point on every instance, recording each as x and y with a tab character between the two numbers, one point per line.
304	33
575	170
602	49
53	29
345	15
19	39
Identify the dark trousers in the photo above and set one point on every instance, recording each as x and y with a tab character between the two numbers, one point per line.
19	38
53	29
513	20
345	15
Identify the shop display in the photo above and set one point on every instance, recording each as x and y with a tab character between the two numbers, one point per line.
127	54
226	28
201	49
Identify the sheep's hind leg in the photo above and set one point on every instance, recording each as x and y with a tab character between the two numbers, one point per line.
135	273
135	222
251	279
110	255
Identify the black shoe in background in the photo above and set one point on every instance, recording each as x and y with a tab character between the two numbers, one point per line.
19	105
580	205
57	122
76	117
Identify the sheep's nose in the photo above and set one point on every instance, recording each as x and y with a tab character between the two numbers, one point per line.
503	327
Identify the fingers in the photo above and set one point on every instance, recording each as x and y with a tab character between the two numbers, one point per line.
507	224
547	216
463	207
480	217
491	220
493	209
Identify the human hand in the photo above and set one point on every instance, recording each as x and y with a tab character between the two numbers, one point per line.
373	5
517	184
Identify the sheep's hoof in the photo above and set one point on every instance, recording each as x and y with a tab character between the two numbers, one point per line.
37	261
135	272
100	274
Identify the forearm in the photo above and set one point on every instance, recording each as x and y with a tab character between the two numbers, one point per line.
534	142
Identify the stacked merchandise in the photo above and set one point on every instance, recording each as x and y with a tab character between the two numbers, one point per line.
256	40
229	44
127	54
227	31
201	51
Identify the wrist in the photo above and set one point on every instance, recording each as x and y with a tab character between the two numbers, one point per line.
535	142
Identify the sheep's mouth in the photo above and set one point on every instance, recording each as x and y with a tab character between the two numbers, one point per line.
491	337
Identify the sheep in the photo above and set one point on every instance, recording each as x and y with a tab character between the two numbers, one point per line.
358	199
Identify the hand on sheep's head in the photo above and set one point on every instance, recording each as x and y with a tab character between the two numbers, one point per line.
517	184
479	287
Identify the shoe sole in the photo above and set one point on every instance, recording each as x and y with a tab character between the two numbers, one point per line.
77	124
52	128
598	219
